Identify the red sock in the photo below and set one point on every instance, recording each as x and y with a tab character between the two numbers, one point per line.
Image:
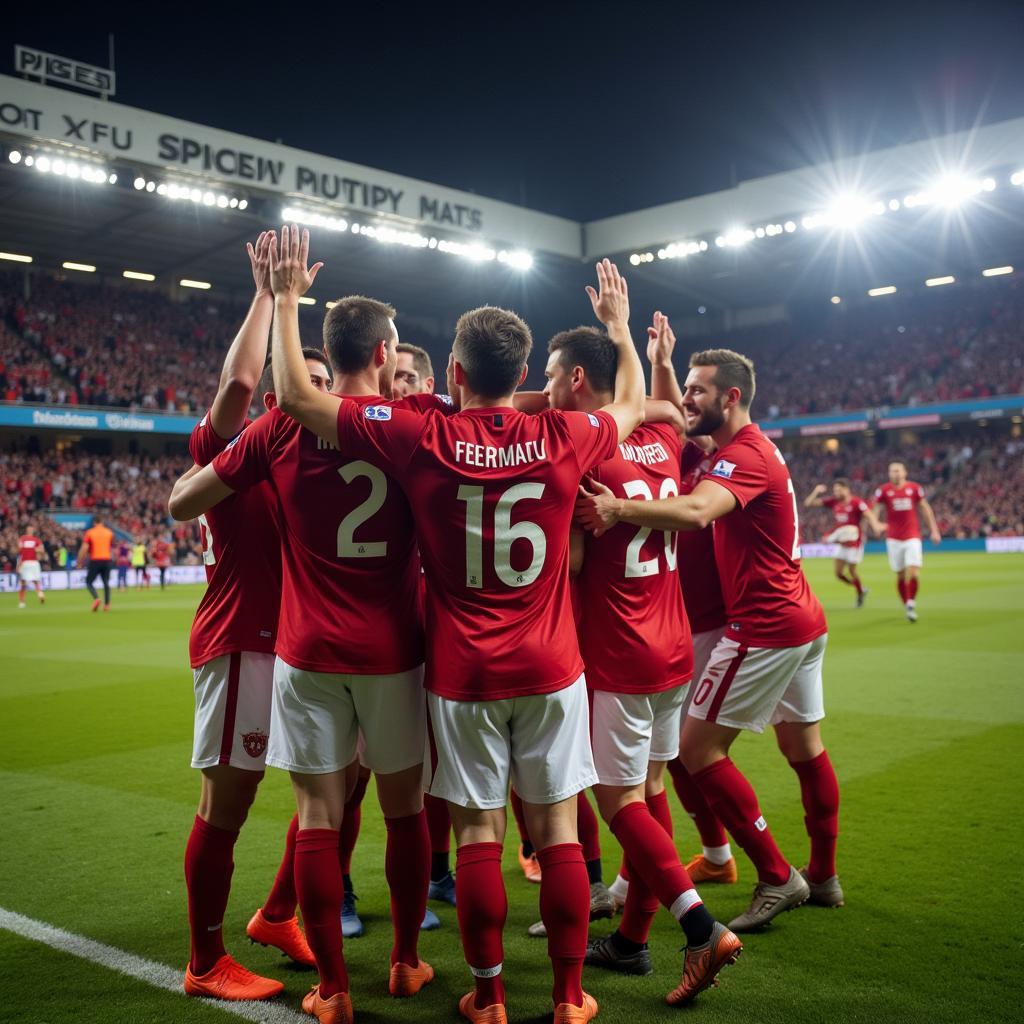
624	869
734	801
857	583
280	902
209	863
651	853
565	911
21	596
901	585
407	869
692	799
639	910
482	907
350	822
587	828
661	812
819	790
439	823
318	884
912	588
517	810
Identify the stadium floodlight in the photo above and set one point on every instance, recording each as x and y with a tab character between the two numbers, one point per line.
29	160
835	300
635	259
996	271
789	226
519	259
243	204
1017	178
139	183
15	257
319	220
950	191
138	275
888	289
202	285
85	268
15	157
936	282
307	300
331	304
43	164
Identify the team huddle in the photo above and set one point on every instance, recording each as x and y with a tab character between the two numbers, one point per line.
494	591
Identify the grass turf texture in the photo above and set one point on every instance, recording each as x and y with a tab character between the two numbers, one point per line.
924	727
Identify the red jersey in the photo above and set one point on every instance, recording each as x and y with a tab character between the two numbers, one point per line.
757	547
350	594
698	572
161	554
493	491
901	509
848	513
29	548
242	554
633	631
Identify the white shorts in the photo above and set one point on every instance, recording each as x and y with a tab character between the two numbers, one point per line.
629	730
317	718
30	572
541	743
233	694
750	687
850	555
904	553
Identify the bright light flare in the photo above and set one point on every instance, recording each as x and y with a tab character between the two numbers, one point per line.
936	282
15	257
996	271
888	289
202	285
85	268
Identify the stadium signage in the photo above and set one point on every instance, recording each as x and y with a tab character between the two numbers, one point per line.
65	417
64	70
54	115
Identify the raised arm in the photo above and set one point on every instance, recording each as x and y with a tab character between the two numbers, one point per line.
876	524
611	307
659	411
598	510
813	500
248	353
661	343
290	278
930	521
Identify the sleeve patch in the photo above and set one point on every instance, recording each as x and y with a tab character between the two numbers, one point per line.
377	412
723	468
594	421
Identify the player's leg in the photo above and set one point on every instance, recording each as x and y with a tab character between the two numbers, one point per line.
839	568
22	590
351	822
105	577
439	824
91	574
392	716
527	855
913	559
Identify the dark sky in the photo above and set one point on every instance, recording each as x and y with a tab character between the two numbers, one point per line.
584	110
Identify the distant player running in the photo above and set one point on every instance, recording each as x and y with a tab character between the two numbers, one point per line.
140	557
30	547
849	513
161	550
901	498
96	546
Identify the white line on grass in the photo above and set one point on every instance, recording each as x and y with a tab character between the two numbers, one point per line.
157	975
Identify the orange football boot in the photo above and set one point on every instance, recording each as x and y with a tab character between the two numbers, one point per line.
406	981
283	935
701	964
228	979
493	1014
96	605
530	866
566	1013
336	1010
703	870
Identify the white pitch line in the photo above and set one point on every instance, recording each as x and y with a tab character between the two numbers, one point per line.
149	971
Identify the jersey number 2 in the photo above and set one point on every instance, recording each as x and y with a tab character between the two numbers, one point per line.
348	546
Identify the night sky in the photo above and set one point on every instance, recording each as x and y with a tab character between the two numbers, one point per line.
583	110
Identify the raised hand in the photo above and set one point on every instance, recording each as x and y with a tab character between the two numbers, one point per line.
289	274
660	341
611	301
259	260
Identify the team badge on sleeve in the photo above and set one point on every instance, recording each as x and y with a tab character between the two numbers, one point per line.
377	412
723	468
594	421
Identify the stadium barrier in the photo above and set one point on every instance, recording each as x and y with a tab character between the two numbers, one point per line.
991	545
74	579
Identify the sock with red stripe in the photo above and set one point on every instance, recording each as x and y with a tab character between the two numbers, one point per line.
350	824
712	834
320	892
589	832
439	824
565	911
652	856
734	802
280	902
912	589
482	907
209	863
520	816
407	869
819	790
901	586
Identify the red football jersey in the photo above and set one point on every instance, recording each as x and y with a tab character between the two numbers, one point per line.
493	492
634	635
848	513
901	509
29	548
698	571
757	547
242	554
161	554
350	594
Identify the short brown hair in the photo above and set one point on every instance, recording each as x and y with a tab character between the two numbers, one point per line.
842	481
733	371
420	359
591	349
353	328
266	384
492	346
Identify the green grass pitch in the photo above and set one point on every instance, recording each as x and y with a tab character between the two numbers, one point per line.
924	727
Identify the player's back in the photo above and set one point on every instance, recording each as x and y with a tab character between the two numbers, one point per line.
634	634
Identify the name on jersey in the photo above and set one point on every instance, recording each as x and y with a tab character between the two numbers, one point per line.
490	457
648	454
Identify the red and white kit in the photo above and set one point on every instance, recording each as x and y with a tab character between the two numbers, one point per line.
350	643
29	547
767	666
849	527
231	646
494	491
634	634
903	533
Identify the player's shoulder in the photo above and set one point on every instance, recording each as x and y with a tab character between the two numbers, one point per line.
426	402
